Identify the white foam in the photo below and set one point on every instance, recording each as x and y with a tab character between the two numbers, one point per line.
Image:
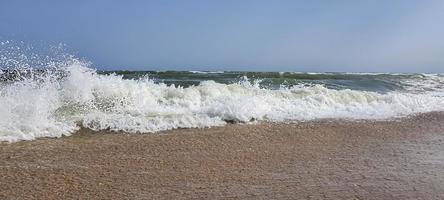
56	106
207	72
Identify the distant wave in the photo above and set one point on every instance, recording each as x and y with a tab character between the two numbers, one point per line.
207	72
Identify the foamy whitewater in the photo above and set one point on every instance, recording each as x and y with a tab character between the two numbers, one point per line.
57	101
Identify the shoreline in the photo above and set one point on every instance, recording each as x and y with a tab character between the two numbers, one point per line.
396	159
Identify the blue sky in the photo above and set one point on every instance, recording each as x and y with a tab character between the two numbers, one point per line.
254	35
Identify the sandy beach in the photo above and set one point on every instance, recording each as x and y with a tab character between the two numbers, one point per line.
329	159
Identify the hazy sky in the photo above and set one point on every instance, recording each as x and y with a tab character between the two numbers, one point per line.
272	35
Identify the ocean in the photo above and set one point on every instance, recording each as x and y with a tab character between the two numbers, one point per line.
58	100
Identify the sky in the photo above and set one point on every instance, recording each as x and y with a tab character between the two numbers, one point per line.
244	35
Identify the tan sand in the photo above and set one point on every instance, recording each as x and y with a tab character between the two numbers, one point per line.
311	160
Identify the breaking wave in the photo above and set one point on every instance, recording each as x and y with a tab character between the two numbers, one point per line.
57	101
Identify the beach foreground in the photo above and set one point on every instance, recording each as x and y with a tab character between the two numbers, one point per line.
402	159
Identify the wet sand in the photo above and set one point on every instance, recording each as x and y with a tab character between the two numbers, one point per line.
401	159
